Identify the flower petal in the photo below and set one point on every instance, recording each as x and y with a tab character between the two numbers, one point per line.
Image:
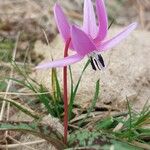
81	42
89	21
118	38
102	20
60	63
62	23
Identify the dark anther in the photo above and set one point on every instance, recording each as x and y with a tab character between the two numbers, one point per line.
100	58
92	63
97	64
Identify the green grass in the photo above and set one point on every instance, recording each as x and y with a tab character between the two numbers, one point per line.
133	135
135	126
6	46
53	105
51	100
75	89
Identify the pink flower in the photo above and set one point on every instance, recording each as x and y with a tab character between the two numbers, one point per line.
88	40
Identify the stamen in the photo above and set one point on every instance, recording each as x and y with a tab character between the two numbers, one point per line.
97	64
97	61
92	63
100	58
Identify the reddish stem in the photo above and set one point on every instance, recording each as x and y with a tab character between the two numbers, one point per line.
65	93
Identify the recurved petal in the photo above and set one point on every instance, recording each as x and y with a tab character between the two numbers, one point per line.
62	23
102	20
60	63
118	38
81	41
89	21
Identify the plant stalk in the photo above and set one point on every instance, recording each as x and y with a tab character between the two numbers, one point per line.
65	93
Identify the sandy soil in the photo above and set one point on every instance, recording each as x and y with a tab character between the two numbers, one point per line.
127	73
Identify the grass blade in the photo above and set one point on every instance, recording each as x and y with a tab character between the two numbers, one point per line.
22	108
97	91
130	120
71	95
73	92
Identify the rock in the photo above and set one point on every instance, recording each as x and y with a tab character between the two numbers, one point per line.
127	74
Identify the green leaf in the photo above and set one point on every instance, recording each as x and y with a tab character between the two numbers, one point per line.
97	141
105	124
22	108
118	145
44	131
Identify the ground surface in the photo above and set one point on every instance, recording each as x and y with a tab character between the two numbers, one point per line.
127	74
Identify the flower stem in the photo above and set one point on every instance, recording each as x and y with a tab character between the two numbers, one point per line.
65	93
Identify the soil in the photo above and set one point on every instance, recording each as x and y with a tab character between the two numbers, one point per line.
127	72
126	76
